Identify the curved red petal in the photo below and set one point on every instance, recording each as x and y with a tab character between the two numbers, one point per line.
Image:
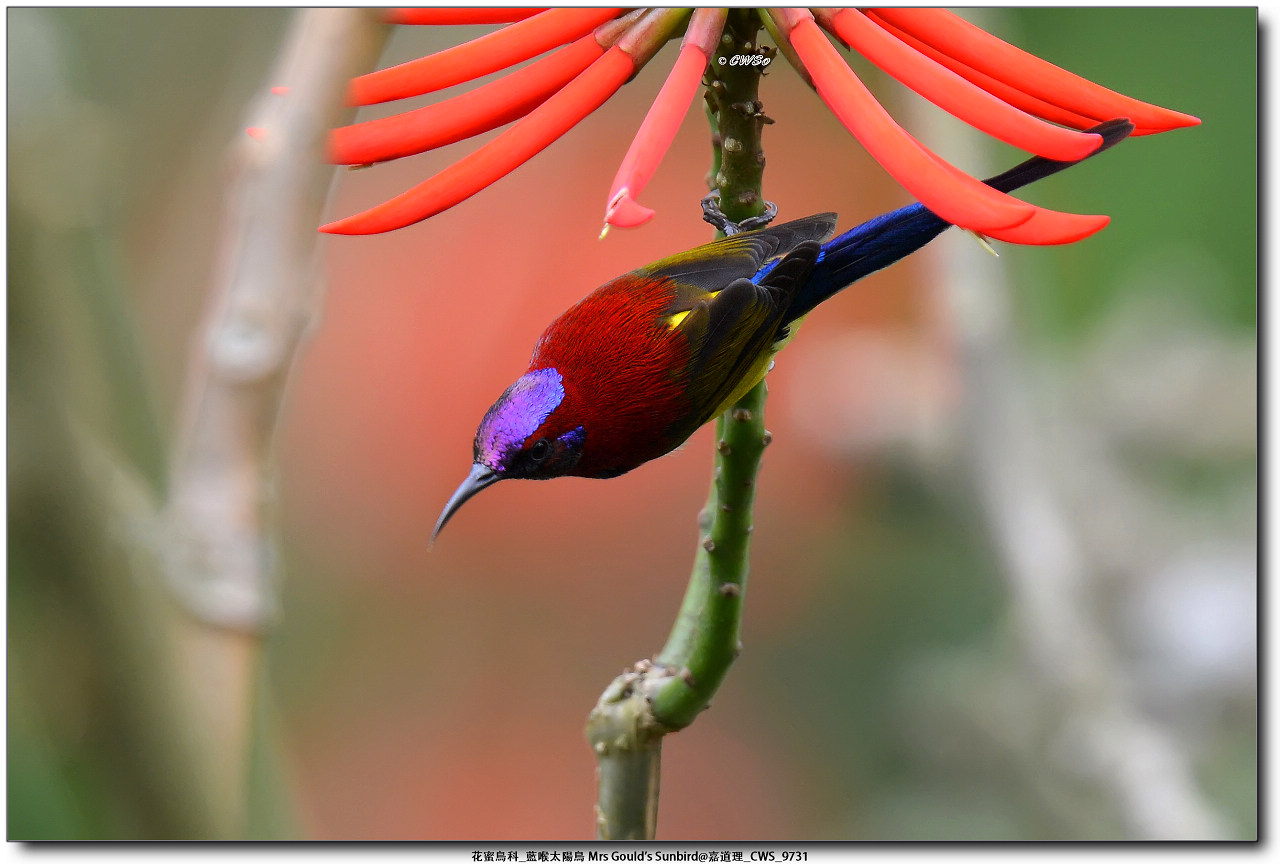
952	195
1045	227
776	24
500	156
488	107
656	133
512	44
959	97
1052	228
977	48
626	212
999	89
459	15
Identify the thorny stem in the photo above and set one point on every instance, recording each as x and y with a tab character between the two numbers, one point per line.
704	640
653	698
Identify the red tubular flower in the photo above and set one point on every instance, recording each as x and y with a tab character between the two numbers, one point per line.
660	124
957	96
969	73
772	19
560	113
1053	228
977	48
459	15
955	197
495	104
506	47
944	189
1045	227
999	89
502	155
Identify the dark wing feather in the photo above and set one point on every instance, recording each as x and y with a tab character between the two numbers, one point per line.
713	266
730	331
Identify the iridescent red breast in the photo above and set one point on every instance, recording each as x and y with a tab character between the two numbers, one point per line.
623	364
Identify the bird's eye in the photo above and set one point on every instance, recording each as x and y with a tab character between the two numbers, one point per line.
540	450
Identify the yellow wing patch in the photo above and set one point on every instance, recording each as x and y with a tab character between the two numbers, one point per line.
759	369
674	320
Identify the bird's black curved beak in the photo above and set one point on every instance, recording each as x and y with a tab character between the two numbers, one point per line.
480	477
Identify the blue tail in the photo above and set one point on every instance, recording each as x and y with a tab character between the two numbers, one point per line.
876	244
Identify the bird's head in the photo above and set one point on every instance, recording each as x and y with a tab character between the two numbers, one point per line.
522	435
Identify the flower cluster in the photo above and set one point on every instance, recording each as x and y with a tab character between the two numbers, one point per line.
1007	93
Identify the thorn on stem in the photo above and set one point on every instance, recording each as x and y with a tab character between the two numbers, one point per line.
687	677
723	448
709	544
730	589
742	415
767	438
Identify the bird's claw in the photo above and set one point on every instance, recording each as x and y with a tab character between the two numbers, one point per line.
711	213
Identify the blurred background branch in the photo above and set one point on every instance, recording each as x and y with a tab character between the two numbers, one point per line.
262	299
216	542
1072	677
185	682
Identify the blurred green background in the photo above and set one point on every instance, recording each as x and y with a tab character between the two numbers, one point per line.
1004	573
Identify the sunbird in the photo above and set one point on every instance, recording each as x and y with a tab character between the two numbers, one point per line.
637	366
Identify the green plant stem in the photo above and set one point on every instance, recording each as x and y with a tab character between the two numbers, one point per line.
704	641
653	698
628	745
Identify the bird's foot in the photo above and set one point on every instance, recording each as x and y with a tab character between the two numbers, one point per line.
711	213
